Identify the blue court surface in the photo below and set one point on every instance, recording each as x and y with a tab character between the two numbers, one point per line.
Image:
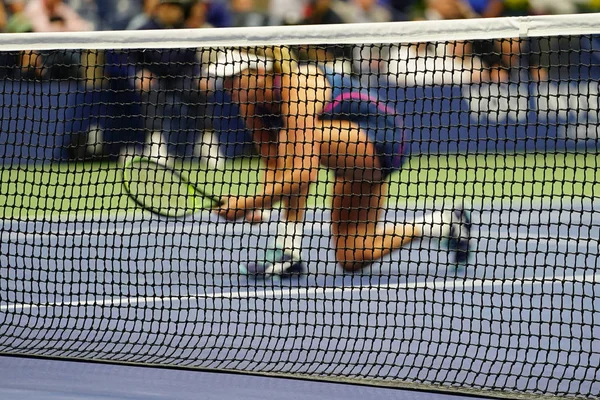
523	316
37	379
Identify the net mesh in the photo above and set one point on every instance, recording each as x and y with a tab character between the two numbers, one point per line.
377	150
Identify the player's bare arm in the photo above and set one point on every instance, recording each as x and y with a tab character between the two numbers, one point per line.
298	152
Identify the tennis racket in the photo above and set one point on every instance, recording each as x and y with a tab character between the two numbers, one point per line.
162	190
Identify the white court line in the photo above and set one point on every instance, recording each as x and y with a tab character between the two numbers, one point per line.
314	292
216	228
513	235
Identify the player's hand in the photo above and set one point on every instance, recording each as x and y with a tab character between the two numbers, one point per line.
257	216
235	207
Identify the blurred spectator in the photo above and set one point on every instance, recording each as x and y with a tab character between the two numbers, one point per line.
364	11
215	13
448	9
487	8
8	8
370	61
116	14
244	13
442	62
168	84
168	14
88	9
515	8
148	7
197	17
324	12
43	15
48	16
218	14
108	14
286	12
18	22
402	10
4	16
335	57
14	6
534	7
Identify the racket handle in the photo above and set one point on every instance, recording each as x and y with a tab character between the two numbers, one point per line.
217	201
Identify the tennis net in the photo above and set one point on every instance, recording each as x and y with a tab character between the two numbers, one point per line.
110	139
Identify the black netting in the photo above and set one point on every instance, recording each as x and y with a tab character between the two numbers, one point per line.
419	213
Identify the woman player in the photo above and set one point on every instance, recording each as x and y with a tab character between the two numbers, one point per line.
303	117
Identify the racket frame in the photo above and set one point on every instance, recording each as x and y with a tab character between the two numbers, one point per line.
193	190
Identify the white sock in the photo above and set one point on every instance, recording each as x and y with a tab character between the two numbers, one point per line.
289	236
435	224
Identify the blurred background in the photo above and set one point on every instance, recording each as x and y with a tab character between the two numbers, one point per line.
143	97
24	15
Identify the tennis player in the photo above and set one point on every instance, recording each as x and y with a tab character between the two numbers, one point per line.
304	117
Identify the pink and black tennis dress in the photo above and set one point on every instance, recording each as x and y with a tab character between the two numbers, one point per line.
352	102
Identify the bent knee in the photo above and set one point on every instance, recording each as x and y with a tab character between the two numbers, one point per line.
352	266
350	260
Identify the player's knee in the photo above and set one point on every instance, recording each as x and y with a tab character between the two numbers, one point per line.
349	260
351	266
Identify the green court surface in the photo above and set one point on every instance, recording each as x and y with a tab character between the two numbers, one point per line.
49	190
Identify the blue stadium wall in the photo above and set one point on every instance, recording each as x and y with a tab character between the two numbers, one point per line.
40	120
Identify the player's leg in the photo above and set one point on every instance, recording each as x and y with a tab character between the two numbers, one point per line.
357	204
199	129
358	236
291	225
359	197
284	255
154	103
285	252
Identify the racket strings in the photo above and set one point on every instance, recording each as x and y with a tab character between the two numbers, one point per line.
162	190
